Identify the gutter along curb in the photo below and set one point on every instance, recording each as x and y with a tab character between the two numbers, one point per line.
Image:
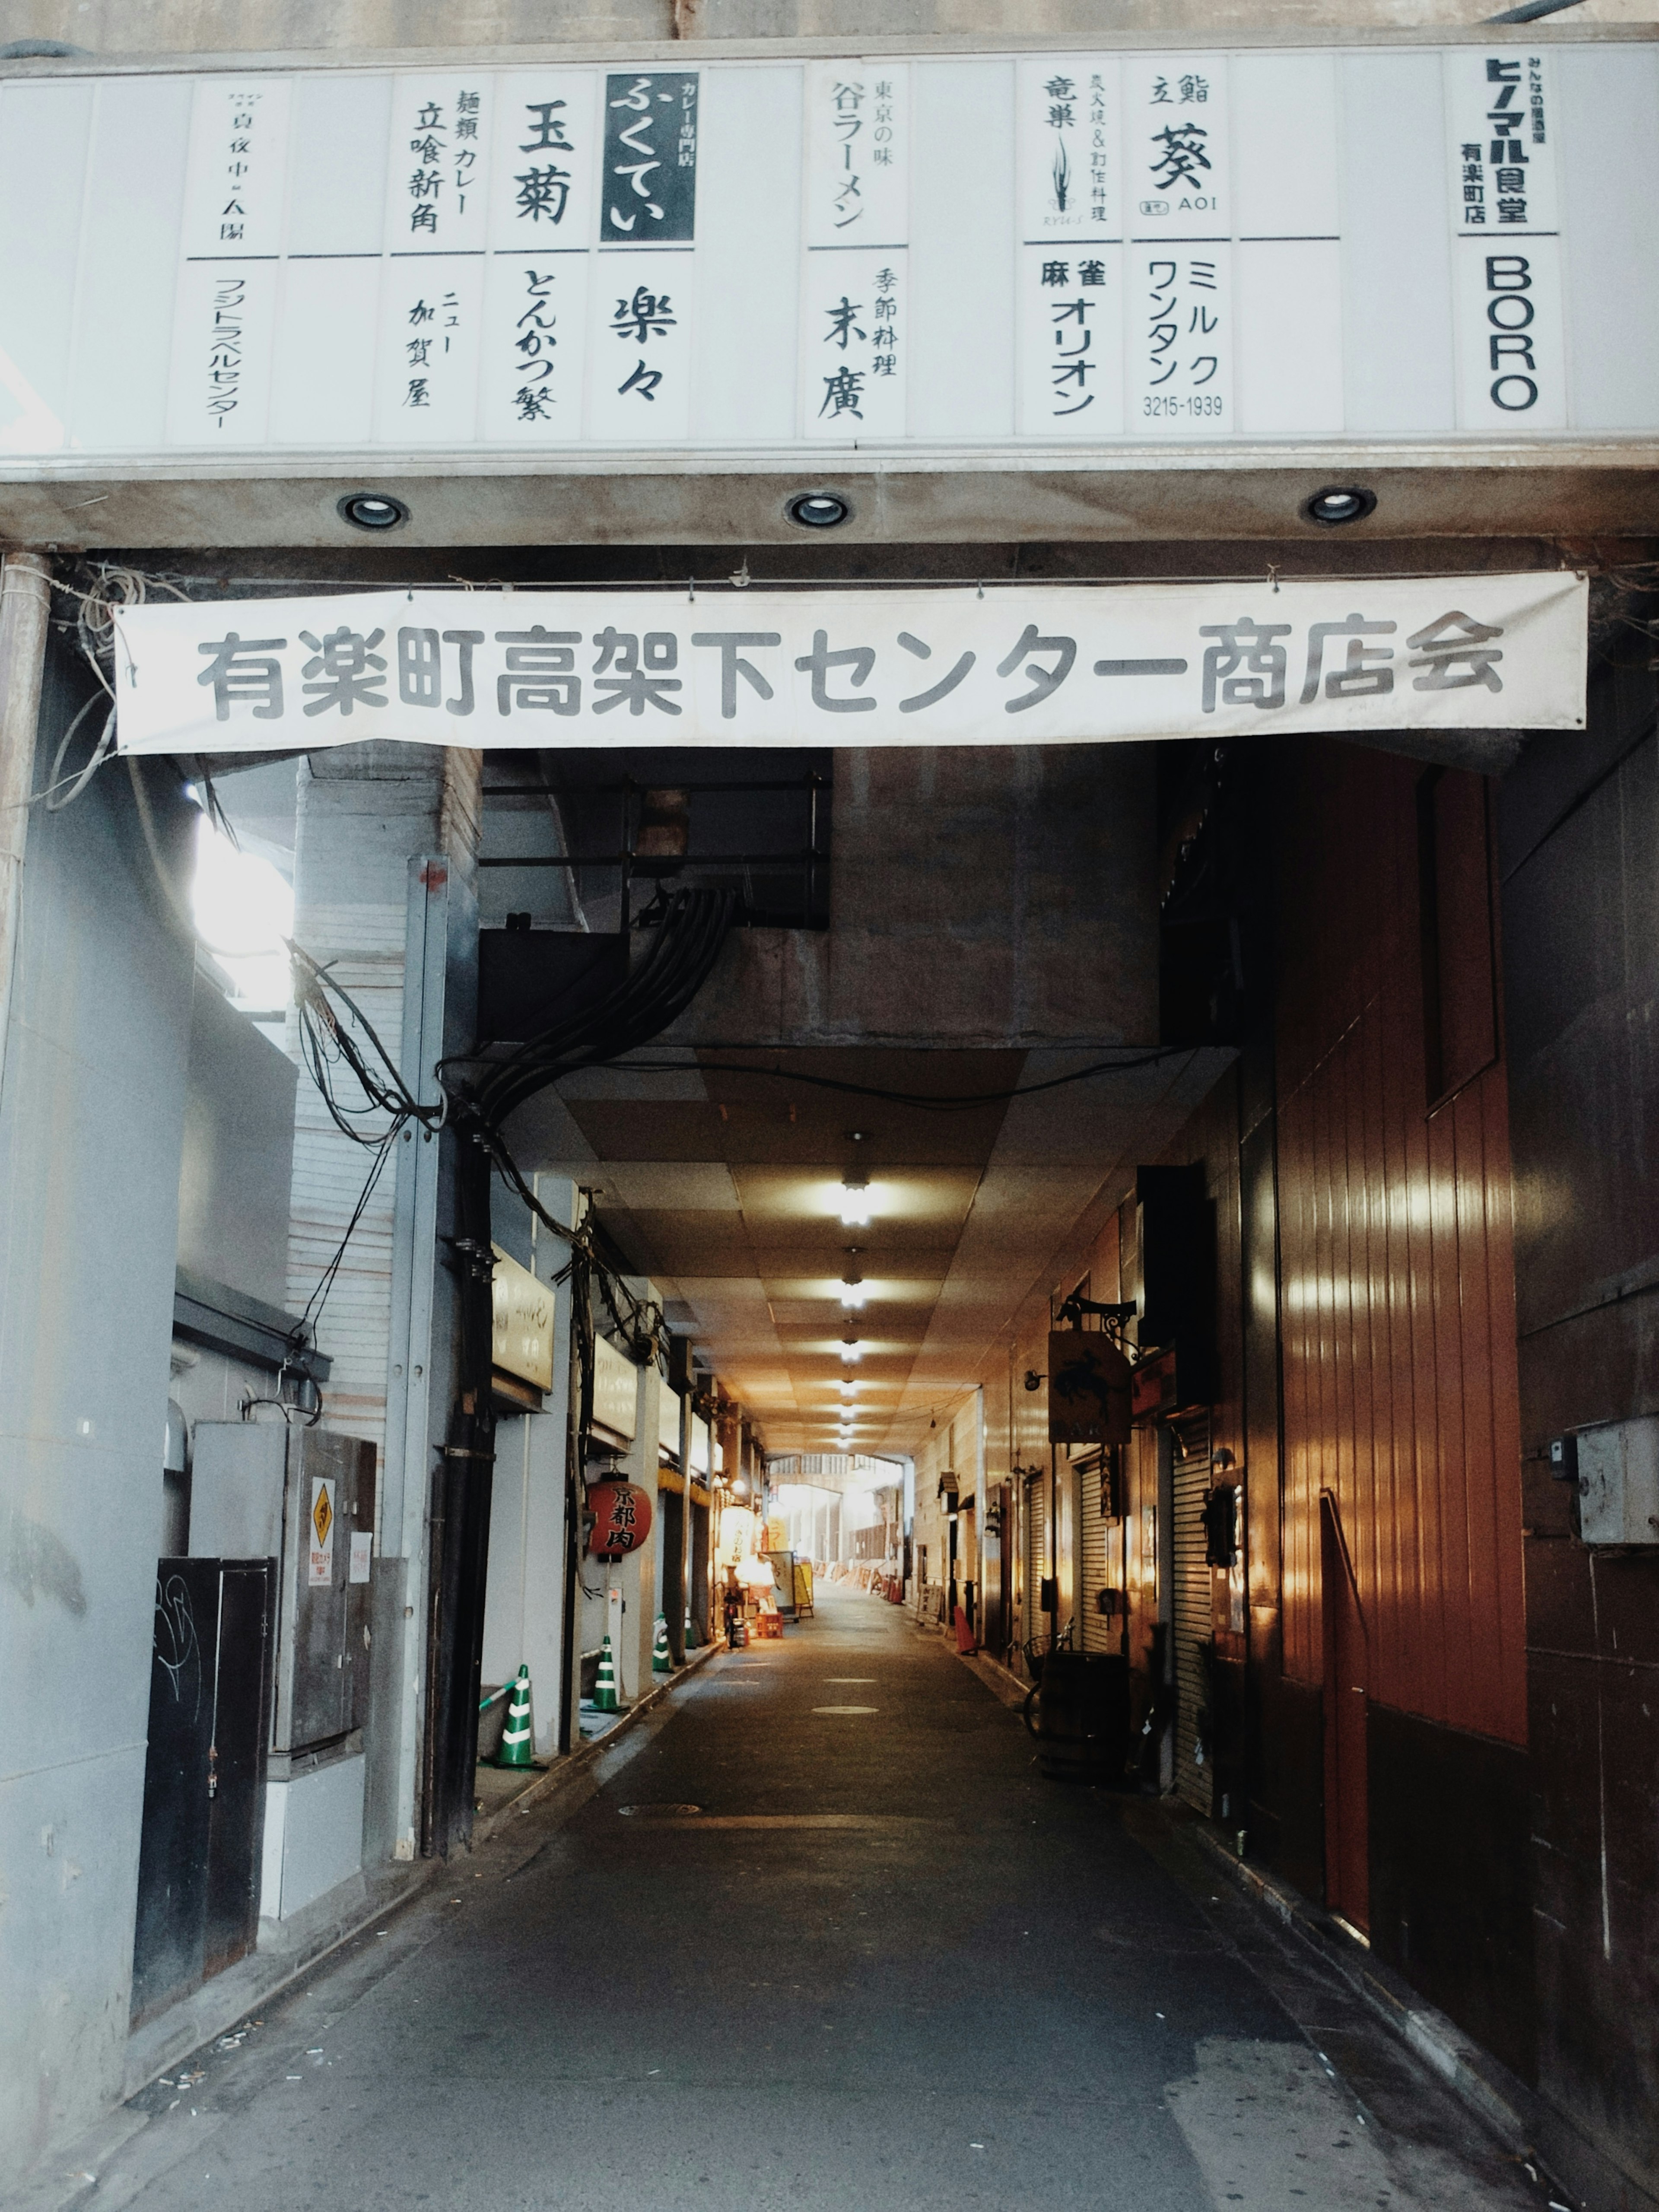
1482	2082
574	1765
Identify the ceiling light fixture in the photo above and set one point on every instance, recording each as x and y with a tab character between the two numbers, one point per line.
372	510
854	1200
851	1354
819	510
1339	503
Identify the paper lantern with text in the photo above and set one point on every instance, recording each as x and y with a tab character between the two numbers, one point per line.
621	1519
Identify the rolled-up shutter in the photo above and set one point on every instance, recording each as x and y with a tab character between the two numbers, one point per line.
1194	1767
1036	1556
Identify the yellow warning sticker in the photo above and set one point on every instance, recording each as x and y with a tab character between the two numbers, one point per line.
320	1571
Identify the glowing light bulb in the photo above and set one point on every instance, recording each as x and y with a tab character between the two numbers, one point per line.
855	1201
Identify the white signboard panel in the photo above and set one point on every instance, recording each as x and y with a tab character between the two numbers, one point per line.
518	262
1042	663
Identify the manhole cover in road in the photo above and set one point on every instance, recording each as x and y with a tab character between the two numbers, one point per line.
657	1812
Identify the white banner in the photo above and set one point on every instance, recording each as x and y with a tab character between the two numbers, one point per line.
1020	665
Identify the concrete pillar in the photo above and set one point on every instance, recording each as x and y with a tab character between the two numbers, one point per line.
636	1576
91	1133
385	861
525	1609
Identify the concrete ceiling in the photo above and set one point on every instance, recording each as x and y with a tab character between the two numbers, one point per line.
724	1187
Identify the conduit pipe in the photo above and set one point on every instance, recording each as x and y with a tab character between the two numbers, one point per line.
25	610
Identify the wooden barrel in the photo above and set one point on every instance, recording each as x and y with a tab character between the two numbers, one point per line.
1079	1715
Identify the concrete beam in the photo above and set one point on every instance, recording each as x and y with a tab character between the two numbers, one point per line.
998	496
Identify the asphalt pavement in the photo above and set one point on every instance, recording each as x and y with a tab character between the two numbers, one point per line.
816	1934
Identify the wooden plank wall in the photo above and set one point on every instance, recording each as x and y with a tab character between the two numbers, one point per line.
1399	1345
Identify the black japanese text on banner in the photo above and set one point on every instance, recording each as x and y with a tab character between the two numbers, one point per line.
1040	665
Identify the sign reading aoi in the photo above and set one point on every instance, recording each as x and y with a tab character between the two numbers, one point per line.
1068	248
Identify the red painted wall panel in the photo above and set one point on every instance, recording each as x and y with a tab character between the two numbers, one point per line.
1400	1388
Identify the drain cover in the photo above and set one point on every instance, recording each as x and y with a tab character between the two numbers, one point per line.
657	1812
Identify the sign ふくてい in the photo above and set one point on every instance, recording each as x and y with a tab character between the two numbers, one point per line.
1040	663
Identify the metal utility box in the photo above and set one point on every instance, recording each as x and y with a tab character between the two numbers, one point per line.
1619	1481
305	1497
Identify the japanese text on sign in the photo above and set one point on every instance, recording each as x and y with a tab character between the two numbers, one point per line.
1042	664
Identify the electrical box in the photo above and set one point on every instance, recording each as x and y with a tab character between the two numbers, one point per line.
1619	1481
305	1497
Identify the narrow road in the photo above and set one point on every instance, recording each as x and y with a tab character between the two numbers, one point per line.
820	1936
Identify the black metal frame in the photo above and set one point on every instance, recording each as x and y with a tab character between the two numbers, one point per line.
813	860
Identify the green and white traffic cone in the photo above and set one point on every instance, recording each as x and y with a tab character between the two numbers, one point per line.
604	1686
661	1662
517	1737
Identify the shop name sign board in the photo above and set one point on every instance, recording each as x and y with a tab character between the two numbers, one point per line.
1062	250
1040	663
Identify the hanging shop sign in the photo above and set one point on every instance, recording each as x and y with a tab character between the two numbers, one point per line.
521	1329
1089	1385
1040	663
615	1394
739	1528
1058	250
622	1522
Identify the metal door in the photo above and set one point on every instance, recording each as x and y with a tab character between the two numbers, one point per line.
241	1725
204	1774
173	1849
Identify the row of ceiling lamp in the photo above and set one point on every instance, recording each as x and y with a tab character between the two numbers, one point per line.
828	510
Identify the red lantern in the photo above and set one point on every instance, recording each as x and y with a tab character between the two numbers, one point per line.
622	1522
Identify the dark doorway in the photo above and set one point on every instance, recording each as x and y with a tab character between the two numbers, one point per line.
204	1774
1347	1868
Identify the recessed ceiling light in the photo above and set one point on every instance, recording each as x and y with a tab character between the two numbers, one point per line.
854	1200
372	510
819	510
1339	503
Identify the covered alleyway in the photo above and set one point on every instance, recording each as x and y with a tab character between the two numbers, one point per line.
815	1933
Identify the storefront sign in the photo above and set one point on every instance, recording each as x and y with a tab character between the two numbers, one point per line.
615	1393
1034	664
521	1322
1060	251
1089	1388
622	1522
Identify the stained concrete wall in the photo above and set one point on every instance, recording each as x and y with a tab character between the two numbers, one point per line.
91	1125
983	895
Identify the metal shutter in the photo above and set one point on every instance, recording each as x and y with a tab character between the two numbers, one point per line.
1096	1632
1036	1555
1193	1621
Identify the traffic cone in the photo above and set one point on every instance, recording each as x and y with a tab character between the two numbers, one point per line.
517	1737
604	1686
661	1662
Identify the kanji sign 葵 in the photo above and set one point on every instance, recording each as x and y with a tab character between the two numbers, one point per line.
1042	664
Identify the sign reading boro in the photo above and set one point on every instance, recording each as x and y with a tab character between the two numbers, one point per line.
1010	666
1066	249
